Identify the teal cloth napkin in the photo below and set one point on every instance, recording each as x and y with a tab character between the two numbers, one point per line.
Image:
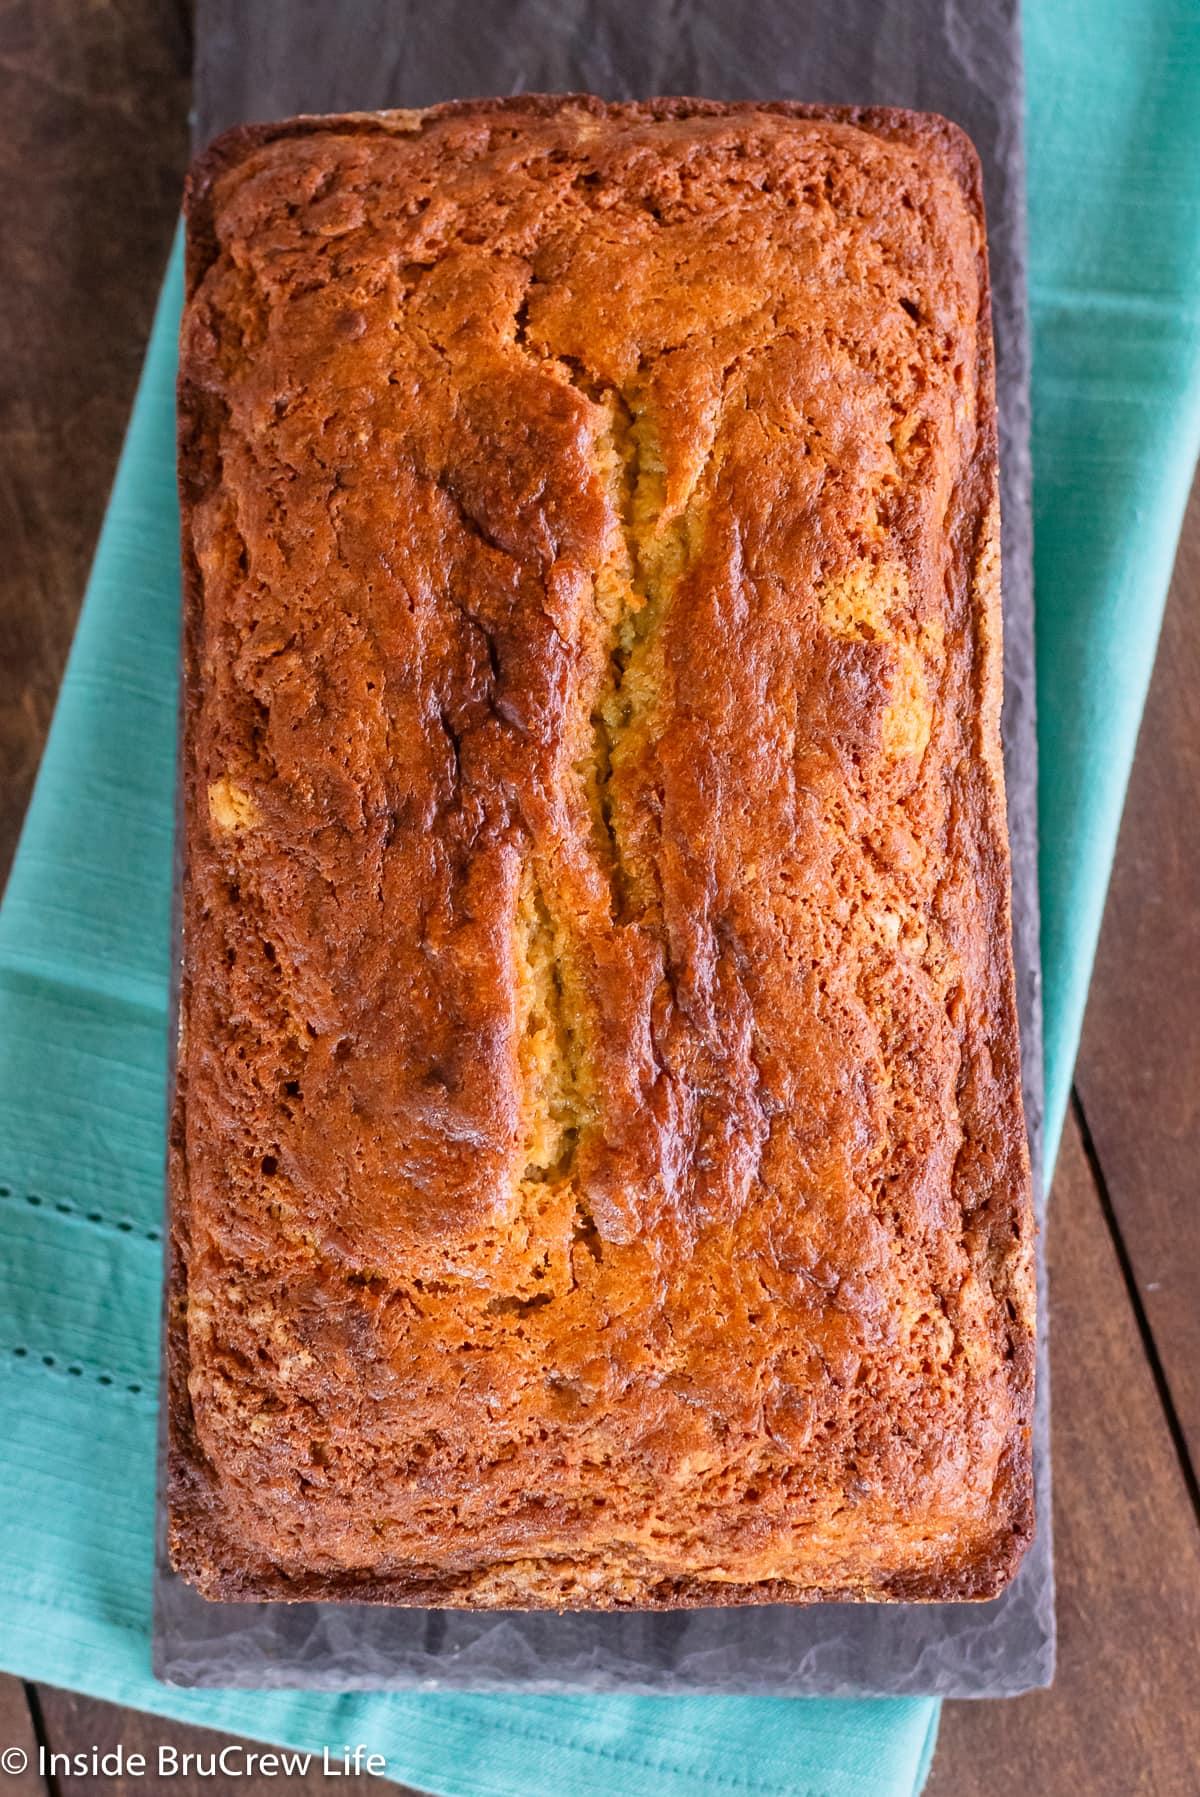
1114	144
1113	141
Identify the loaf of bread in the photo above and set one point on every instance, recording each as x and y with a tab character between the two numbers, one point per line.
598	1168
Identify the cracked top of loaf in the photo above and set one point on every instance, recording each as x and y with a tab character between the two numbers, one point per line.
599	1174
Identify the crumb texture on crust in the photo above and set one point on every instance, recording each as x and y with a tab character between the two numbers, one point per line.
599	1170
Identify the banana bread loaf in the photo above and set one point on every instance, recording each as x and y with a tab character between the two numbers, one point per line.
598	1168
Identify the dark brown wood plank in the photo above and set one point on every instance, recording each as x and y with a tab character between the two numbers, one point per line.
77	1725
1139	1065
94	98
1122	1716
19	1776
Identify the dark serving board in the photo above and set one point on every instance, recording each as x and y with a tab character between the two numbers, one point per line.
959	57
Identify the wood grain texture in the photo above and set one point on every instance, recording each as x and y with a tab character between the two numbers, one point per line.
1139	1066
94	99
1121	1719
75	1725
17	1735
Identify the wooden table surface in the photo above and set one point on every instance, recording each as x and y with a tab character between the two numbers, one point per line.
92	150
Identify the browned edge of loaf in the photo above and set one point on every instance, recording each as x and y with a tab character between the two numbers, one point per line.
196	1541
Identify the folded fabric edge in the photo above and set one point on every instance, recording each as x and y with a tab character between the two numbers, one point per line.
1069	959
112	551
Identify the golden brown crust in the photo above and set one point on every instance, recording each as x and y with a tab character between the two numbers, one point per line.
598	1169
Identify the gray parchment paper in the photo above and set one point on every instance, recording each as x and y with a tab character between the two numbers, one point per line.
959	57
